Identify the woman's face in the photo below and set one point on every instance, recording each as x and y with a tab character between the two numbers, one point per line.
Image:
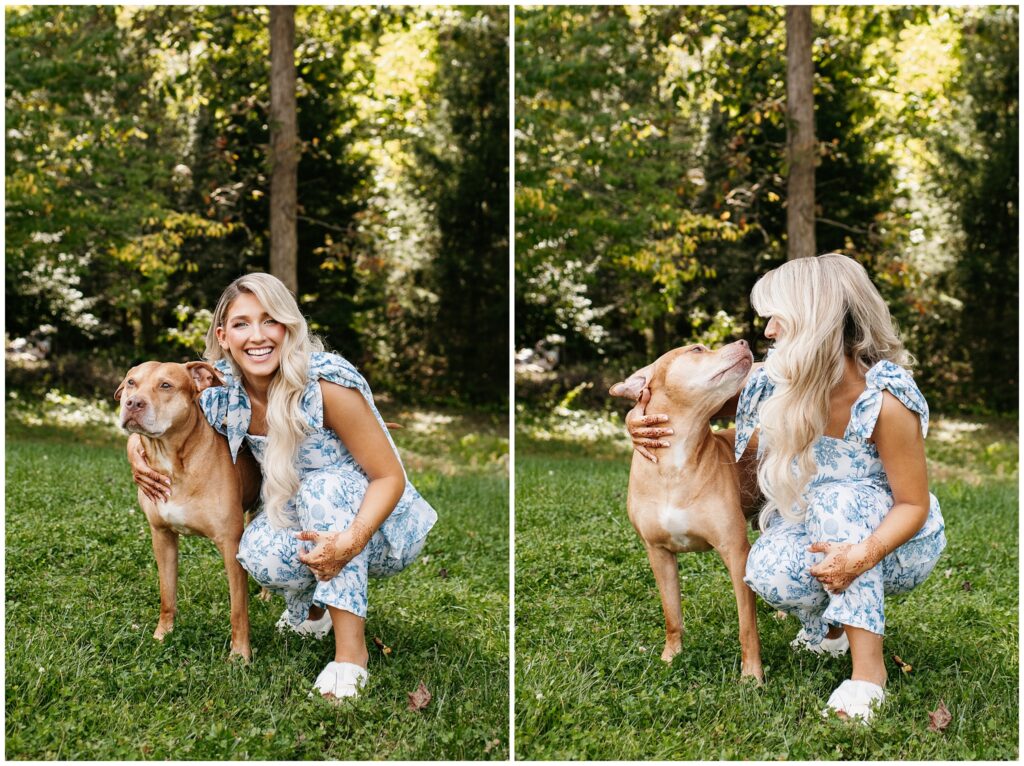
771	330
251	337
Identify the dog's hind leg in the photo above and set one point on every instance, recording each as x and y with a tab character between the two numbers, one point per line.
165	548
666	574
238	590
735	559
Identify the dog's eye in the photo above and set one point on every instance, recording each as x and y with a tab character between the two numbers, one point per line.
130	382
698	349
165	384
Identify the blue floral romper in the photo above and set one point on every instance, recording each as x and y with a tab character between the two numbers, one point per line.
332	485
847	499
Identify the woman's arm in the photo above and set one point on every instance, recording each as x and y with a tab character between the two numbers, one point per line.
347	413
900	446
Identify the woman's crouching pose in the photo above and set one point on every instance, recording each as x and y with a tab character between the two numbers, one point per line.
848	517
338	508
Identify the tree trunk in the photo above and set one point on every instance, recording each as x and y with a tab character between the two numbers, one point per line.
800	144
284	147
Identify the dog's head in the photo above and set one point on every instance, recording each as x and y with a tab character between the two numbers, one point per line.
693	376
155	396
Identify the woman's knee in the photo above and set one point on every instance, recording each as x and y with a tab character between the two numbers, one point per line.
271	556
330	499
778	571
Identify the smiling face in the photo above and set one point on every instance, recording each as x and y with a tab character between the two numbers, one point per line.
251	337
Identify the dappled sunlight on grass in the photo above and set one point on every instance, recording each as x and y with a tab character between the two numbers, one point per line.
561	425
62	410
449	442
973	450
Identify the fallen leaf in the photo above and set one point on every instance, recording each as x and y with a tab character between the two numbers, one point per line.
381	645
491	745
443	574
780	615
948	573
967	586
420	698
906	667
940	717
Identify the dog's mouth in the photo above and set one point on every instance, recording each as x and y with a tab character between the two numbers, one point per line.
743	361
131	425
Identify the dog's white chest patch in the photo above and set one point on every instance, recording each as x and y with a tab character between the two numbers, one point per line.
175	517
678	523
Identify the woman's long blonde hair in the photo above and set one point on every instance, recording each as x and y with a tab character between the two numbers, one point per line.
286	425
826	309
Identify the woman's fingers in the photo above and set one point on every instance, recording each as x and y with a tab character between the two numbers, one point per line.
651	433
655	443
644	452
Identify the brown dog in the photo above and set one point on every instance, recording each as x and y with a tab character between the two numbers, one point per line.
696	496
159	401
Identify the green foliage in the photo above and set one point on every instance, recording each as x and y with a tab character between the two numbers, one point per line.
979	152
140	136
625	116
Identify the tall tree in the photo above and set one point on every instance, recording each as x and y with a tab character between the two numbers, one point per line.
799	133
284	147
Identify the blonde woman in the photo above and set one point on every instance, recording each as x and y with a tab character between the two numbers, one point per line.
848	517
337	505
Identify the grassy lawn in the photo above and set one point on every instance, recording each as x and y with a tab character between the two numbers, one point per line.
85	679
589	630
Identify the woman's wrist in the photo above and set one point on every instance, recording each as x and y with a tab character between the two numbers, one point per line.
868	553
360	532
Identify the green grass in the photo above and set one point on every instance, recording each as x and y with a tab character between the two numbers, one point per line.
86	680
589	631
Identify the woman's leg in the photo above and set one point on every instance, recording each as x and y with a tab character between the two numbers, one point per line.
328	502
778	571
349	637
271	557
866	653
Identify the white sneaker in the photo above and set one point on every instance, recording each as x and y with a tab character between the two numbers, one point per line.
835	647
855	699
307	628
340	679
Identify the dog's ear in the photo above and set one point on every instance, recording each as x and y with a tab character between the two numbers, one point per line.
204	376
632	386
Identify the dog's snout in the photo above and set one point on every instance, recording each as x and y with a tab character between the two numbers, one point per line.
135	403
742	343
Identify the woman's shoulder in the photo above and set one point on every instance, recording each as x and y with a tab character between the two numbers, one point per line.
334	368
888	377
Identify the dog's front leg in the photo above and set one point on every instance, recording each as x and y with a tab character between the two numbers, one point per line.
238	590
666	573
735	559
165	548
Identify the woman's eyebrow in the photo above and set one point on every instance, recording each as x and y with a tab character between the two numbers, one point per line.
235	317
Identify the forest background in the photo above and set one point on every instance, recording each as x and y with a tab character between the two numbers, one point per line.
651	185
138	179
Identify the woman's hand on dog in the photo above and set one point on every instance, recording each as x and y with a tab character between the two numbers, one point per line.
642	428
333	550
155	486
